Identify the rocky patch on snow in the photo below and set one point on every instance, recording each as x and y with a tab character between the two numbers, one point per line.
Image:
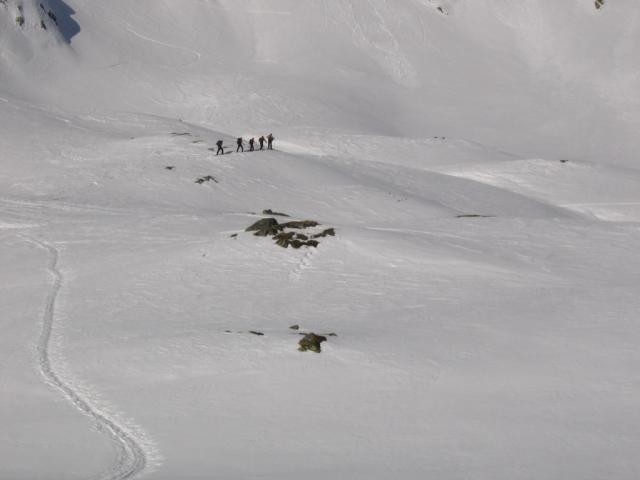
35	14
311	342
206	179
264	227
439	6
284	237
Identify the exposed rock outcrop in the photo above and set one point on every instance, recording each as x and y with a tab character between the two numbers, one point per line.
312	342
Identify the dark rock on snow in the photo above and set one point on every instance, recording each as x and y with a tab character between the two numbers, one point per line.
284	238
312	342
294	240
329	232
271	212
301	224
269	226
207	178
265	227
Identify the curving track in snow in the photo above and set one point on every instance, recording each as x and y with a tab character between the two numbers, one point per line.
131	459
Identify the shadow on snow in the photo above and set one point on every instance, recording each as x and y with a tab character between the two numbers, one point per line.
67	25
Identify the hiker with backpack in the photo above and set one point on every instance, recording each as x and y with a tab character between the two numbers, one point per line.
262	140
240	143
270	140
252	142
220	149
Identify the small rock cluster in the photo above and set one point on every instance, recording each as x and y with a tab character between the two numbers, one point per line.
310	342
206	178
269	227
20	17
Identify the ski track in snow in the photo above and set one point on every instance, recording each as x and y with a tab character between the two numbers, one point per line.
131	459
196	55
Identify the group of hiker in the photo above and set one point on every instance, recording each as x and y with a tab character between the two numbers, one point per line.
252	144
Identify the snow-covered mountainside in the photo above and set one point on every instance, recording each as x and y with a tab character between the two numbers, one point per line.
542	78
473	169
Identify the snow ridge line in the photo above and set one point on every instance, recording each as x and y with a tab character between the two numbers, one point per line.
131	457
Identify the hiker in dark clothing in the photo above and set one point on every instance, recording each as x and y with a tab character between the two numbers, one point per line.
270	139
240	143
252	142
262	140
220	149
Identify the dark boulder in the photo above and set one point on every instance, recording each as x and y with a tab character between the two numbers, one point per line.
265	227
207	178
312	342
284	239
329	232
301	224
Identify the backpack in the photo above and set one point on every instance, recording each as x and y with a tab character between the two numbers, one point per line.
219	143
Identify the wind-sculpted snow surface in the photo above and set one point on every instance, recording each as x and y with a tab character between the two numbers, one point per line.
477	162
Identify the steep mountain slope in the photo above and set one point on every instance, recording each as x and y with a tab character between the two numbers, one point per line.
531	77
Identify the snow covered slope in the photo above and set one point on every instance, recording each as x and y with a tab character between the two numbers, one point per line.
477	160
540	78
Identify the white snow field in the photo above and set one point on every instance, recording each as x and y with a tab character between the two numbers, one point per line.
477	160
